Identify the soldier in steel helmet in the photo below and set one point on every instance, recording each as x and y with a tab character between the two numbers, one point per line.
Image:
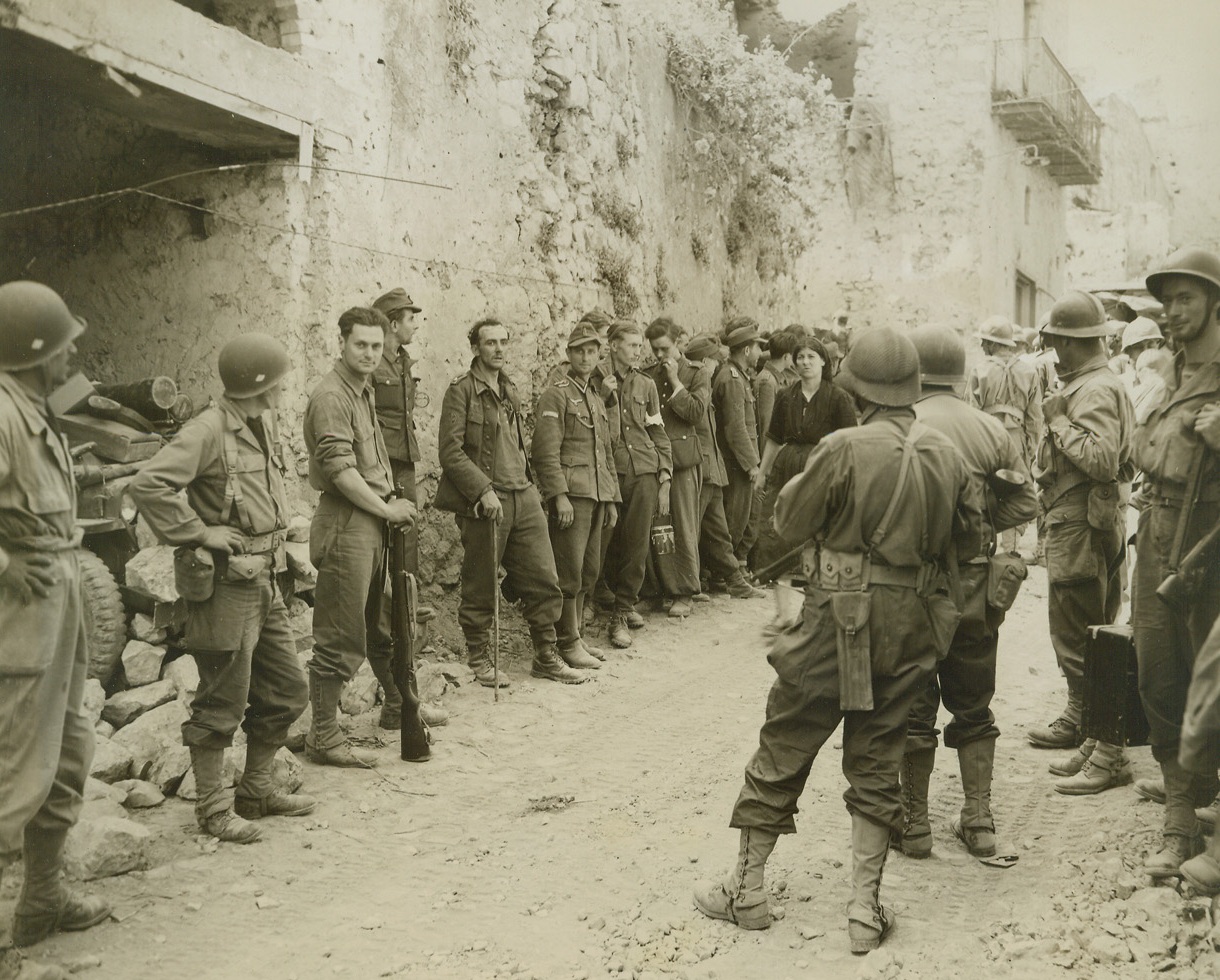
1084	471
46	739
883	506
965	680
1178	450
1007	386
229	463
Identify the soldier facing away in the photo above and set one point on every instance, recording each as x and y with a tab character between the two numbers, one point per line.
46	739
882	505
228	461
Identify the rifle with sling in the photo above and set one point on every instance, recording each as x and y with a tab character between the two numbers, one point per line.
404	630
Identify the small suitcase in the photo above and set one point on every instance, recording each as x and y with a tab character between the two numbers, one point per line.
1113	711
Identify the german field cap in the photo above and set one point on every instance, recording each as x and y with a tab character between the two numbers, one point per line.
621	328
395	300
739	331
882	366
703	346
584	333
599	318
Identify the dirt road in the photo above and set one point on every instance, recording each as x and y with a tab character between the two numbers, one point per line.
447	869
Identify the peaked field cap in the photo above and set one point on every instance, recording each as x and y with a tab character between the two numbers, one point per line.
584	333
600	319
395	300
703	346
882	366
621	328
739	331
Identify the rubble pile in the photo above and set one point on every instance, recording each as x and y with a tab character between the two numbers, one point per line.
1116	923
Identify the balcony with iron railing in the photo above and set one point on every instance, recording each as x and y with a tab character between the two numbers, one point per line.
1036	99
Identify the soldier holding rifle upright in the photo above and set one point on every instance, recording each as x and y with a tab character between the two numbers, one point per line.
349	464
230	525
884	506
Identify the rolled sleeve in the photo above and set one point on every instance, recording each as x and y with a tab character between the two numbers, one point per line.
157	488
329	417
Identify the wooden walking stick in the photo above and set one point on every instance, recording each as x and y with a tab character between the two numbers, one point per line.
495	610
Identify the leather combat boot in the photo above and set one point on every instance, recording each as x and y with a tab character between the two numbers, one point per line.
868	921
976	828
596	652
1059	734
256	795
214	807
915	840
433	715
742	897
326	744
1154	790
478	659
548	666
1206	815
45	905
1072	764
1202	873
739	588
1106	767
619	632
576	656
634	620
1180	833
680	608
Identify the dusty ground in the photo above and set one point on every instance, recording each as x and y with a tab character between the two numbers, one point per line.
448	870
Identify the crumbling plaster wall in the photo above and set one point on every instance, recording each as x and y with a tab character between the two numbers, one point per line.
526	113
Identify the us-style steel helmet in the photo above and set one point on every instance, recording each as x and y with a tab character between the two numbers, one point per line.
1077	314
251	364
1191	261
997	329
942	355
882	366
35	325
1140	330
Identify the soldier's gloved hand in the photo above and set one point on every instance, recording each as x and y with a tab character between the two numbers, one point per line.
226	540
489	506
1207	426
611	516
400	511
28	574
565	513
1053	406
663	499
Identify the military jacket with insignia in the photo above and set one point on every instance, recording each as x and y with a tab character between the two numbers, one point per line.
394	397
641	445
1166	443
736	425
682	410
572	452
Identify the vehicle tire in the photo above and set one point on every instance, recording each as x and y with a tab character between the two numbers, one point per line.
105	617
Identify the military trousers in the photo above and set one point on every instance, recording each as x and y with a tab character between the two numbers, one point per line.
627	555
715	544
677	576
738	502
46	739
1167	640
347	546
1084	571
965	679
520	542
249	674
803	708
578	562
1199	745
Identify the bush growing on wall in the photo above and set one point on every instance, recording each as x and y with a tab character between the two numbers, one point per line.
756	121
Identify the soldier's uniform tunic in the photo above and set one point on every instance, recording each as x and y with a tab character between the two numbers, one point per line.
643	459
1010	389
1084	471
1167	640
965	679
481	445
572	455
232	471
737	434
715	544
394	397
46	739
681	410
838	501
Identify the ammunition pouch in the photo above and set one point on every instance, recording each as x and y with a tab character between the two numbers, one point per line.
851	613
1005	573
243	568
194	573
1105	502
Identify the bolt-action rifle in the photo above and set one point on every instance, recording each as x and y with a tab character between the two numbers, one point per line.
404	629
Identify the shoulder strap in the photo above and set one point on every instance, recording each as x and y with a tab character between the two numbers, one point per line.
908	458
233	495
